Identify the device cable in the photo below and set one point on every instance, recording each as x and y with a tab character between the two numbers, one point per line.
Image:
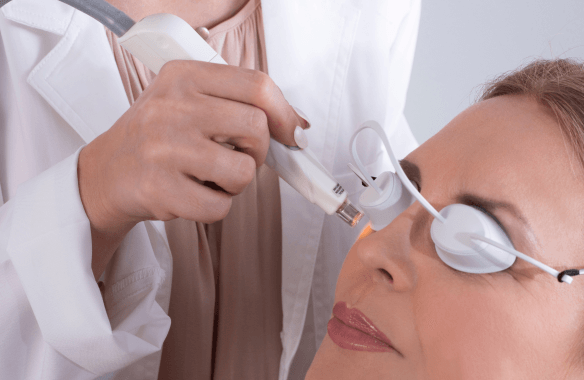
111	17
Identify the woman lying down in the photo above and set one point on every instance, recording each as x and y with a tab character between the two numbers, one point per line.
514	162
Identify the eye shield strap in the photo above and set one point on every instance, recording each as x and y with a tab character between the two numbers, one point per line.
568	273
398	169
563	276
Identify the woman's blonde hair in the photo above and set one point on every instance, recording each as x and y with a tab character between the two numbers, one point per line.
557	84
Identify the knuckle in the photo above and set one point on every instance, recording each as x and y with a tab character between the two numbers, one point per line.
223	207
170	68
214	209
175	77
263	87
263	148
245	172
247	168
258	123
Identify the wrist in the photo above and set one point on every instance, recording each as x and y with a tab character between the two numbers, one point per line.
103	216
108	227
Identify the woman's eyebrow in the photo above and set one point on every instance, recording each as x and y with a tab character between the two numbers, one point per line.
412	171
414	174
492	205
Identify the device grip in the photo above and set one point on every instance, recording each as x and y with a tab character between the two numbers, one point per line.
160	38
301	170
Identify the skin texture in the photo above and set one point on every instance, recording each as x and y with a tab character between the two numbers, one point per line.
156	161
517	324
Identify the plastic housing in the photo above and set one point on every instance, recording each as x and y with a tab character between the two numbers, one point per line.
302	170
458	251
385	207
163	37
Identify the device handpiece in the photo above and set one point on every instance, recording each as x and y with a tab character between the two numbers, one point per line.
160	38
302	170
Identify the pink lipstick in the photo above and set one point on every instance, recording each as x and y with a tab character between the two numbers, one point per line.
352	330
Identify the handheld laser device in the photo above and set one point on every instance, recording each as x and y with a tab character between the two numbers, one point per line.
160	38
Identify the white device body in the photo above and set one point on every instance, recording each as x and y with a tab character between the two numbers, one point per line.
301	169
160	38
385	207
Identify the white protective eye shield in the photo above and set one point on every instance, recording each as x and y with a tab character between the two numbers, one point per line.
466	238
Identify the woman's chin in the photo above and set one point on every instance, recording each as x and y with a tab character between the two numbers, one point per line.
326	362
336	363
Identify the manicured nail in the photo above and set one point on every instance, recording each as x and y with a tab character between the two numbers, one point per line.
302	115
203	32
300	138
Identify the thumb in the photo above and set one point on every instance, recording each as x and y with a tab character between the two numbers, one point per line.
289	130
286	123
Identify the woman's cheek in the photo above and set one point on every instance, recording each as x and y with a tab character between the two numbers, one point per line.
459	324
354	276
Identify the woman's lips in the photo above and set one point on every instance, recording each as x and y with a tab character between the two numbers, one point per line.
351	329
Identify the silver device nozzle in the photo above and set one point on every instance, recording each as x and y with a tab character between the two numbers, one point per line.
349	213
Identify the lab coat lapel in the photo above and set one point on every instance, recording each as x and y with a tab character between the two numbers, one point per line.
308	46
79	77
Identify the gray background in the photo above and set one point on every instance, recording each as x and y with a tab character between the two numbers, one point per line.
463	43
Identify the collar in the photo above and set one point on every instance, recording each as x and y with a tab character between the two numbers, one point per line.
89	103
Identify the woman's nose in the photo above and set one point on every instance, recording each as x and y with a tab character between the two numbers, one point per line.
387	254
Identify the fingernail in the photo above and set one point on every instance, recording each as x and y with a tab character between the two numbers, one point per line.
302	115
300	138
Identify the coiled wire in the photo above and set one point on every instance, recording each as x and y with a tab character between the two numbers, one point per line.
111	17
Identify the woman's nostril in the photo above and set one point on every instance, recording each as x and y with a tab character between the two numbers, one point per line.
386	274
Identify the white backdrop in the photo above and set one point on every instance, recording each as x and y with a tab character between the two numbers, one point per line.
462	43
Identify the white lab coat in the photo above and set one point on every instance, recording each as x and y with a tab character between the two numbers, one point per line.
342	62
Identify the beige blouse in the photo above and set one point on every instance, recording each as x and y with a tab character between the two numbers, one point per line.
225	304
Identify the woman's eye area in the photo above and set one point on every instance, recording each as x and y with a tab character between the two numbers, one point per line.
490	215
416	185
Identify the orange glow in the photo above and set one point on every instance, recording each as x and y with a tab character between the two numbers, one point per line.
366	232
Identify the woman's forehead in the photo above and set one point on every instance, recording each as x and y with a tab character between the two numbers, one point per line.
509	149
509	138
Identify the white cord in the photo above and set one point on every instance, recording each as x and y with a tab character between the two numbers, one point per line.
398	169
366	177
550	270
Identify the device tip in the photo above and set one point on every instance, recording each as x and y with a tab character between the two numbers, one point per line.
349	213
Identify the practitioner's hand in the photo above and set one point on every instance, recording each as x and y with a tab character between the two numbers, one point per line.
153	161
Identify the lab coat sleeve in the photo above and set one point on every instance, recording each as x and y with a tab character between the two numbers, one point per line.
400	68
53	318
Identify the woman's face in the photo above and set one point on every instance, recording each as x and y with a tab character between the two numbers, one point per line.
508	156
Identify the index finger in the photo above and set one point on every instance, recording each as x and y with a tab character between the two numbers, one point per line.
251	87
